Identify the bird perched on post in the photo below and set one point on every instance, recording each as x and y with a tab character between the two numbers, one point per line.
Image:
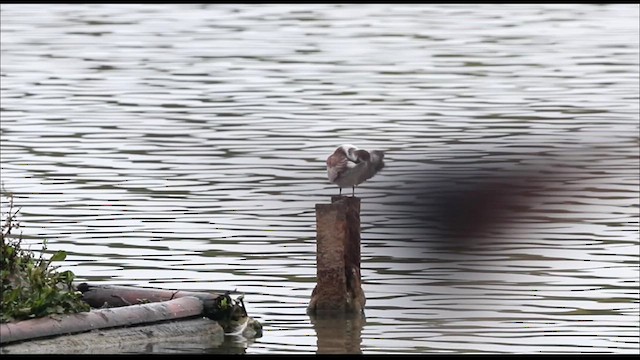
350	166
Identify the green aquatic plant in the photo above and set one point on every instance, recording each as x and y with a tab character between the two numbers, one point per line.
31	287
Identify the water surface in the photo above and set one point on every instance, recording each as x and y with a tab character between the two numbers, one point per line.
183	147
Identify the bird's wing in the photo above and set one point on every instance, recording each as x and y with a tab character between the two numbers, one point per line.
374	162
336	165
377	159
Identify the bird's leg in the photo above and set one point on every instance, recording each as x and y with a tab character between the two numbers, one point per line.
353	191
340	191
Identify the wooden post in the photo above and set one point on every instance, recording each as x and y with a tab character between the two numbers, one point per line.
338	288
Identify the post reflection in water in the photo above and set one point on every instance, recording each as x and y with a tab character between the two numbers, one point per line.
338	333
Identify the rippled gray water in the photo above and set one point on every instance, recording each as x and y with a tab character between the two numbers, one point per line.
183	147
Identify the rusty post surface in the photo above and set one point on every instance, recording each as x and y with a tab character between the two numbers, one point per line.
331	229
338	286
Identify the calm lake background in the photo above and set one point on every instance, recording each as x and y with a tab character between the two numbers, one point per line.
182	146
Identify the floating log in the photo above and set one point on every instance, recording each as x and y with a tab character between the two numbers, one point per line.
231	314
121	306
338	287
183	307
99	296
170	336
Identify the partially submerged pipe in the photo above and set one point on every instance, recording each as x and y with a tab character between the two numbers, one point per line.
124	306
183	307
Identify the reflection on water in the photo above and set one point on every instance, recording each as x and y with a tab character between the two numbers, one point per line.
183	147
339	334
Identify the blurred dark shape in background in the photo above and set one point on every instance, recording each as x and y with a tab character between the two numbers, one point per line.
470	210
456	210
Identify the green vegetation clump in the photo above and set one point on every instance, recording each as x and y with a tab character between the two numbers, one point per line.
31	288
